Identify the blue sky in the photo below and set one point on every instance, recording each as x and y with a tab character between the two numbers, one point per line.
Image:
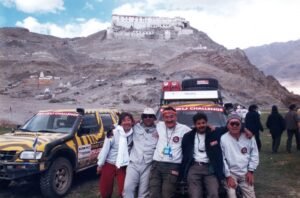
232	23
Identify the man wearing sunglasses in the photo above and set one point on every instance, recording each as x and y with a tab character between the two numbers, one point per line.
145	137
240	157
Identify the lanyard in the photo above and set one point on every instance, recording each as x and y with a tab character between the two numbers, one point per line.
199	149
169	138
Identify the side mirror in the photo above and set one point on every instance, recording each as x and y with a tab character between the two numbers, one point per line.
15	128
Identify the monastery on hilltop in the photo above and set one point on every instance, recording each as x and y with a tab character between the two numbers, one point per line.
140	27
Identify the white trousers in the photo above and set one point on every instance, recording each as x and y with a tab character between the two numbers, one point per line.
247	190
137	176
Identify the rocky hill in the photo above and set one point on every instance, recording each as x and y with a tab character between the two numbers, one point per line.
123	73
280	60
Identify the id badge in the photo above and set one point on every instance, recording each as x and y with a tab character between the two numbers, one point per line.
167	151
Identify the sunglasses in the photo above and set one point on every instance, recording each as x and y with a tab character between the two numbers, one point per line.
234	124
148	116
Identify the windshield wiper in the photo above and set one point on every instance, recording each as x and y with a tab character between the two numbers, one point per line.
47	131
25	130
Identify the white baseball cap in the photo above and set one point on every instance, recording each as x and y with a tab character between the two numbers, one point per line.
148	111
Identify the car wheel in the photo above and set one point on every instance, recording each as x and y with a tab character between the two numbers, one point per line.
57	180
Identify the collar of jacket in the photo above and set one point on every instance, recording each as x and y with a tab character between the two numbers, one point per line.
194	130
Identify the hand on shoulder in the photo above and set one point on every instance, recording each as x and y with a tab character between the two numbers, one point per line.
110	132
248	133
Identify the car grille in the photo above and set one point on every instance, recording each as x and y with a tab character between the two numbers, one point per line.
7	155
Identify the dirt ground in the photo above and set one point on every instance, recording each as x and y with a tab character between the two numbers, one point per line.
277	175
19	110
85	185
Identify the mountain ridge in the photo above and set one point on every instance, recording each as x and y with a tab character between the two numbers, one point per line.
280	59
127	73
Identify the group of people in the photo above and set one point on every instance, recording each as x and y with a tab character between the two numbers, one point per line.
150	158
277	124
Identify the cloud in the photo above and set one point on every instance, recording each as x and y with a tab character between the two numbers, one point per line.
81	28
80	19
33	6
130	9
215	7
88	6
232	23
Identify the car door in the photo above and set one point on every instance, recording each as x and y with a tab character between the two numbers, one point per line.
89	147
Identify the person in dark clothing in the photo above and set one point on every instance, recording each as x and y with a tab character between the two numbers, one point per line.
275	123
252	122
202	159
292	127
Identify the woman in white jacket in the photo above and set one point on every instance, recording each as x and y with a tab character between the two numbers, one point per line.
114	156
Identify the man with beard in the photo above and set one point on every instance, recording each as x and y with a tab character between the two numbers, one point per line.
202	163
144	143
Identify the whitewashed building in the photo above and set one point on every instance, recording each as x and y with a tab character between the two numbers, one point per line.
140	27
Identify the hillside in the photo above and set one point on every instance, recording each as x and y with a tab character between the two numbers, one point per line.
122	73
280	60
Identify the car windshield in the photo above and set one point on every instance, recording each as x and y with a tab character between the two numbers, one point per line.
51	122
215	118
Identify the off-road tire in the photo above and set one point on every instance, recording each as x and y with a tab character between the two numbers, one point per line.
57	180
4	183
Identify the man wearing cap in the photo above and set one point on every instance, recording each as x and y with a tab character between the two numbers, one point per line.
240	157
167	155
145	138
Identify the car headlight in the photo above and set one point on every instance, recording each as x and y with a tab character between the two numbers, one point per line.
31	155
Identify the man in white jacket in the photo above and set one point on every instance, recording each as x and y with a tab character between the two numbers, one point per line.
240	155
145	137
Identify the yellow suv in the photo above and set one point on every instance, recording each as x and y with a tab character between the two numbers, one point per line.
53	145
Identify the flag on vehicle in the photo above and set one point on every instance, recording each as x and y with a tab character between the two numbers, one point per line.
35	142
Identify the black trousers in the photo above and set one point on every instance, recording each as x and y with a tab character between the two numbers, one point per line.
258	142
275	142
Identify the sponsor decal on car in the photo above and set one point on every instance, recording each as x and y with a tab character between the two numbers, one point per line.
198	108
58	113
202	82
84	151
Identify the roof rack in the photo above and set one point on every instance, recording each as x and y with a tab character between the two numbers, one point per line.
198	89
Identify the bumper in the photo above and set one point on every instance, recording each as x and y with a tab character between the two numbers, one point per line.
11	171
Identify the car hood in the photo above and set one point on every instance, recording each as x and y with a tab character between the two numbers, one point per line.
20	141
